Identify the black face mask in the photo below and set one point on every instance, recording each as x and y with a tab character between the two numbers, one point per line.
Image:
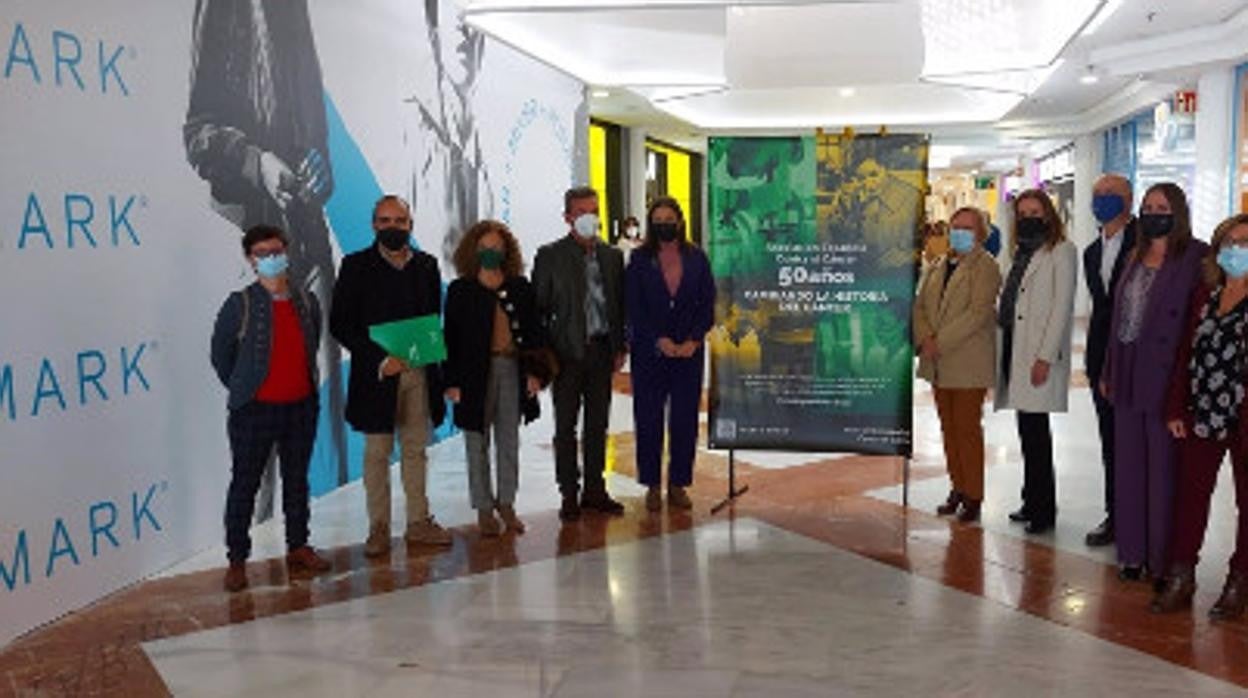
393	239
1156	225
665	232
1032	233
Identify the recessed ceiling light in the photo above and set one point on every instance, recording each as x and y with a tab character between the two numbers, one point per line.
1089	79
602	94
847	92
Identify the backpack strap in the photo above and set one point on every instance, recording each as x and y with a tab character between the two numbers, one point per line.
242	326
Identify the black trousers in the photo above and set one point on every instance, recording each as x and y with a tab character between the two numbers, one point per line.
1105	425
253	430
1039	488
583	383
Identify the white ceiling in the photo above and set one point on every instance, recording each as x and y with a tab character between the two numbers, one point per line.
961	69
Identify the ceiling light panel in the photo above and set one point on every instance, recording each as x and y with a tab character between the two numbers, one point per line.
632	47
992	36
1021	82
892	105
818	45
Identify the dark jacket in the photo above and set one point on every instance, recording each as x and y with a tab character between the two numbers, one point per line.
559	284
1102	299
1179	394
241	356
1141	384
653	313
469	329
371	291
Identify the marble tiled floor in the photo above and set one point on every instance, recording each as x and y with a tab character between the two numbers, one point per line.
735	608
338	518
817	582
1080	481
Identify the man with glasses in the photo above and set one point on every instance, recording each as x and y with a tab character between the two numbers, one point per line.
264	351
386	282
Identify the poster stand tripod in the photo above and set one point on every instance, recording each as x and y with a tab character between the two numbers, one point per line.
733	492
905	481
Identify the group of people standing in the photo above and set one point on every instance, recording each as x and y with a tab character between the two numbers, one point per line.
570	327
1166	356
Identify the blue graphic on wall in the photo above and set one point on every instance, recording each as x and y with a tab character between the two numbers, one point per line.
355	191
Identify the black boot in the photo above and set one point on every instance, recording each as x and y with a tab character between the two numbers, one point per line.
1177	591
1234	598
1101	535
951	504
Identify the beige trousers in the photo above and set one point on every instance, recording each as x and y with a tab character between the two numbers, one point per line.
411	421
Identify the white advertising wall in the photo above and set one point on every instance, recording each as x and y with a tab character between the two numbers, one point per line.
131	136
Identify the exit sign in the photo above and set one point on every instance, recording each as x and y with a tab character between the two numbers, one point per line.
1185	102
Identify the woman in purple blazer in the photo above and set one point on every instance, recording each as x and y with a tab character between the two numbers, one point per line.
671	303
1149	319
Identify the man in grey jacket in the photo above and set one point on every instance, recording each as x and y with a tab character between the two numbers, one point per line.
264	351
579	284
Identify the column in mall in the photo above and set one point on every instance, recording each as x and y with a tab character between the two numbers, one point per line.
1089	155
635	142
1211	200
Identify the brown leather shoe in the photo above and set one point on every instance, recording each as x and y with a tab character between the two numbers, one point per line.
678	498
428	532
951	504
510	520
654	499
1234	598
1176	595
378	543
236	577
305	559
488	525
970	511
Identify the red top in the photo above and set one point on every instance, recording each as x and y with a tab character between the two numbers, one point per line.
289	379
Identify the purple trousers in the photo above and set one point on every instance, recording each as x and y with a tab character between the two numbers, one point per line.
1144	488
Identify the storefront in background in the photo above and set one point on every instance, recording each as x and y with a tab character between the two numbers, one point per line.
1156	145
1056	172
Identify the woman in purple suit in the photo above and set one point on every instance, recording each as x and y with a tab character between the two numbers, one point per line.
1149	318
671	303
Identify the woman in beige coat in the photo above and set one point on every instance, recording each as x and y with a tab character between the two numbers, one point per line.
955	334
1033	373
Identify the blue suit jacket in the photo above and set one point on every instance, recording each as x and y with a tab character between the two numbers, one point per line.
653	312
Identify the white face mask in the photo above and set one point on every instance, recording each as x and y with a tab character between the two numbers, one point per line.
630	233
586	225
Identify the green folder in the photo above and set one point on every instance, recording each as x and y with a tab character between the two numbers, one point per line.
418	340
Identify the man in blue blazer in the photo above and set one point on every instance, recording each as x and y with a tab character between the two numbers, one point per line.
1103	261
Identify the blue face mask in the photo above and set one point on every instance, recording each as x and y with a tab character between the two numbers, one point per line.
1107	207
1234	261
272	266
961	240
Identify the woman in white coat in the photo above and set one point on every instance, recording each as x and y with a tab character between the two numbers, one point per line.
1034	325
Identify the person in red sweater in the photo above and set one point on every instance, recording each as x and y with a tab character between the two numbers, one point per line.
264	351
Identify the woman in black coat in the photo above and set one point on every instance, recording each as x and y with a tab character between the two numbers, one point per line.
495	366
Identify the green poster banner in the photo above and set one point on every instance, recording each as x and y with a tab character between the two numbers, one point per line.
812	243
